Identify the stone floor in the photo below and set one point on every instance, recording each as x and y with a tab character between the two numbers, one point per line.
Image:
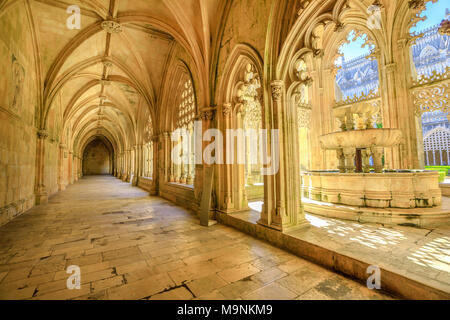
419	254
132	246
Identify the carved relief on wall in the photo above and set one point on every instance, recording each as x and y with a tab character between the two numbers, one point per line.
248	95
303	107
431	93
148	130
18	78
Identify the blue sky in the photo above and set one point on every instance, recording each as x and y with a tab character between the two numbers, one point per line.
435	13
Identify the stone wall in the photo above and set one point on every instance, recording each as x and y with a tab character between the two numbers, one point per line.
96	159
17	115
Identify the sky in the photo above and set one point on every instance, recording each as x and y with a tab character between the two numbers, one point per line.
435	13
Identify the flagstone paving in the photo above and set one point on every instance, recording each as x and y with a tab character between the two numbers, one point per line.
129	245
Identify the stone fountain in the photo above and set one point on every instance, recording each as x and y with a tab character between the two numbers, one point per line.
357	185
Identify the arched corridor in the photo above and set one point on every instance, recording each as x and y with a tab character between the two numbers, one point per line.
226	149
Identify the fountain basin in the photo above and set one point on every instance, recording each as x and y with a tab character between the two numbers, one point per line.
416	189
361	139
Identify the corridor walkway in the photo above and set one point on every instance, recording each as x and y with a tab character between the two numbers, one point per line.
132	246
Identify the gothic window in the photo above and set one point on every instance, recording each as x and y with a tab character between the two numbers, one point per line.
249	101
184	118
302	104
430	55
437	147
357	82
357	74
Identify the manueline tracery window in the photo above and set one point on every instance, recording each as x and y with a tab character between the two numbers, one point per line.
184	172
430	62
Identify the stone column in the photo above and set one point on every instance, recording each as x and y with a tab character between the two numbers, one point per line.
61	180
40	191
71	167
129	166
349	154
283	209
190	165
366	160
378	153
155	164
227	182
135	171
166	165
341	159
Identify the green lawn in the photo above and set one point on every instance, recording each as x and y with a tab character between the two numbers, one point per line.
443	171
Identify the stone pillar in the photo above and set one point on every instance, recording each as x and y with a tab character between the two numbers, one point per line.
128	166
155	163
136	168
349	154
366	160
227	181
341	159
190	165
61	179
71	166
283	209
378	153
165	162
207	115
41	193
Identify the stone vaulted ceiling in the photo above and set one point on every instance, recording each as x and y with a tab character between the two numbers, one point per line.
107	77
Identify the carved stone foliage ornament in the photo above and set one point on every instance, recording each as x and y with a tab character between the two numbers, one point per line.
42	134
18	78
226	109
111	26
148	130
248	95
444	28
277	91
300	100
431	93
207	115
301	72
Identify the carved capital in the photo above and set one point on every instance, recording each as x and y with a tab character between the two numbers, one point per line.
277	89
42	134
390	67
226	109
207	115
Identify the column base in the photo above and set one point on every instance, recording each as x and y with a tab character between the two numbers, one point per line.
41	198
